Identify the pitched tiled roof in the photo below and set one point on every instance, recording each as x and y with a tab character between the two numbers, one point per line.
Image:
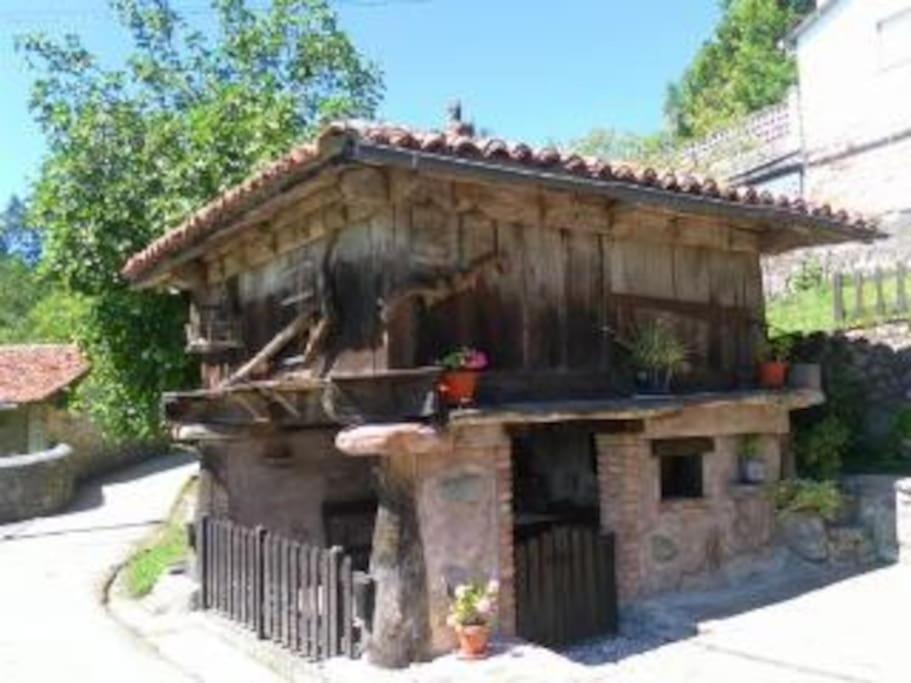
35	372
458	143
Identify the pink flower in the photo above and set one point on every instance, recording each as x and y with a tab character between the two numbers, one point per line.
484	606
477	360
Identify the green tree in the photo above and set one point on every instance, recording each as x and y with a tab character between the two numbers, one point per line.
134	149
741	69
17	237
657	149
18	295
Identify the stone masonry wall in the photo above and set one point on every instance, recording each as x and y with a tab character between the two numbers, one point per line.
903	520
876	359
664	545
465	514
35	484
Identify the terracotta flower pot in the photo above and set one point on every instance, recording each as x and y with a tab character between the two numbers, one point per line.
458	387
772	374
473	641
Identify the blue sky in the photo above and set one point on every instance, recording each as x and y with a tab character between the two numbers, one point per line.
525	69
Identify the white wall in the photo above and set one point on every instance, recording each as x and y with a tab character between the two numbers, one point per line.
855	73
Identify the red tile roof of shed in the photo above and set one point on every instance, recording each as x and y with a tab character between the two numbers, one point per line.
459	143
35	372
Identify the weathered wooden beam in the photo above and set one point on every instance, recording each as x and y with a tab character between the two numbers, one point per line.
318	335
276	344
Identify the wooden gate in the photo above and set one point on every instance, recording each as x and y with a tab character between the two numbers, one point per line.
298	596
565	586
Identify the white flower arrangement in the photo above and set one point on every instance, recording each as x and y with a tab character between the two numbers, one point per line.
473	604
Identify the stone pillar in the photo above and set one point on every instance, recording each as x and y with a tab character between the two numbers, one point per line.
400	633
620	461
903	519
445	517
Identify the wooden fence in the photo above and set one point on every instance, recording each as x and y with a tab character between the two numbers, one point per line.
859	298
298	596
565	586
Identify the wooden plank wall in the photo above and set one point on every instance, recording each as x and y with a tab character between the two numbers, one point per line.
564	292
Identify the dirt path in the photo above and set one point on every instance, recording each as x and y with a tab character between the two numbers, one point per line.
53	627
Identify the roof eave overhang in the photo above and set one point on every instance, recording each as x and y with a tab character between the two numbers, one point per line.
161	273
346	149
817	229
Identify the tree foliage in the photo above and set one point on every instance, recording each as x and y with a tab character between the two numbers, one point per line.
657	149
741	69
17	236
134	149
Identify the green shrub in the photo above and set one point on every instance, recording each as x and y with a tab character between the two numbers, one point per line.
803	495
810	276
821	447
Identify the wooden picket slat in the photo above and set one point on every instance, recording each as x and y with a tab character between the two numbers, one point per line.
890	302
314	562
306	603
347	582
300	597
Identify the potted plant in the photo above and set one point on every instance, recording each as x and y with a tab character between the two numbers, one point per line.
773	362
658	353
460	375
470	614
752	464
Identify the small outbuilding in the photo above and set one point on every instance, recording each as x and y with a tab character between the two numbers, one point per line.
33	377
37	474
323	291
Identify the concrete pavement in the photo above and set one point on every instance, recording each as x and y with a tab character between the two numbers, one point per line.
53	626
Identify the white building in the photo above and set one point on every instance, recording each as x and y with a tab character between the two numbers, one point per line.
842	136
854	62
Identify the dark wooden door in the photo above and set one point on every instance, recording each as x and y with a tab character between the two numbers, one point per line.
565	586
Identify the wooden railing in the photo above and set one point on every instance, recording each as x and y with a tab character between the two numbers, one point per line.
298	596
859	298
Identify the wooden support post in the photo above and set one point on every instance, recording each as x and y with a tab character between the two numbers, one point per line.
401	630
859	308
880	295
838	301
276	344
901	294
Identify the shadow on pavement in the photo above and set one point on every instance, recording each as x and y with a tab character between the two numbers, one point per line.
677	616
90	493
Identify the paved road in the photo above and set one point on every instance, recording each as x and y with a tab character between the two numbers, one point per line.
852	631
52	626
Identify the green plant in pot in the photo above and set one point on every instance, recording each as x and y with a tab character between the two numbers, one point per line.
752	464
773	361
658	354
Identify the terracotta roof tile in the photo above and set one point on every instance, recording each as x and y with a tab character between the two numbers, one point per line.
459	142
35	372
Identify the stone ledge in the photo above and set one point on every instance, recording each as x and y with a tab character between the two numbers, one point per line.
35	484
